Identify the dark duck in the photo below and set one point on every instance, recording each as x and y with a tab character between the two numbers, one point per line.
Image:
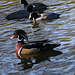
38	6
30	48
36	17
25	13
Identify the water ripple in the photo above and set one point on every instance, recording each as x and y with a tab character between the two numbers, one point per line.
60	30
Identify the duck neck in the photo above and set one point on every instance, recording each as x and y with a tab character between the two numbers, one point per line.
24	2
34	21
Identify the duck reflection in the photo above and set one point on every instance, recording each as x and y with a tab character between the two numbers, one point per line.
27	63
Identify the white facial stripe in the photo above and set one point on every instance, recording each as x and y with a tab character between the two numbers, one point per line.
23	36
18	36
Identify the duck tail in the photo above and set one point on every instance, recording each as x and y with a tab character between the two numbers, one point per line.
50	46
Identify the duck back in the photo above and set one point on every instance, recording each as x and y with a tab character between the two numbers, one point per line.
18	15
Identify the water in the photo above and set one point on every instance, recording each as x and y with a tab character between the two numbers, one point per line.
60	31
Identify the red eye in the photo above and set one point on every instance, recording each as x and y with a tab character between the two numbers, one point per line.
16	33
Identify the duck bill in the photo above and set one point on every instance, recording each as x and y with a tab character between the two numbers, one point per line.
12	37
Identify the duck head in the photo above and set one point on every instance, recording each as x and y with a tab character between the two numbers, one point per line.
20	34
30	8
33	15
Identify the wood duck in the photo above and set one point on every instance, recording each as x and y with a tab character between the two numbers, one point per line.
30	48
44	16
25	13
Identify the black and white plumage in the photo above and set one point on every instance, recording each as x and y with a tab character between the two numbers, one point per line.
25	13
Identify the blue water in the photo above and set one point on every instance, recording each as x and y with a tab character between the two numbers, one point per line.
60	31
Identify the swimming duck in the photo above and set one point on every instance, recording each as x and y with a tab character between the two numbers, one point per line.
30	47
38	6
25	13
44	16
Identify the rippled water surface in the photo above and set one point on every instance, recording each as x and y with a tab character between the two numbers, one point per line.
59	30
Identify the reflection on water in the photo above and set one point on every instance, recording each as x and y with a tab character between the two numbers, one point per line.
60	30
41	56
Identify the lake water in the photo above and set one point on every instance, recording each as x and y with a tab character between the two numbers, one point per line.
60	30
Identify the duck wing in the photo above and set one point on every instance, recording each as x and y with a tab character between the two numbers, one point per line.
34	47
52	16
44	14
47	47
18	15
36	44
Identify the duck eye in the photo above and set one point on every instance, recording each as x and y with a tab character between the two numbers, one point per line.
16	33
